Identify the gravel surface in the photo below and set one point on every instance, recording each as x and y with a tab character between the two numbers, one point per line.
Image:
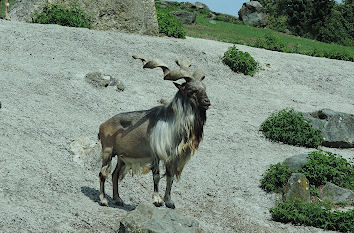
46	104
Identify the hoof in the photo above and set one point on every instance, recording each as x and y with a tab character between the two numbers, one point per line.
158	202
118	201
103	201
170	204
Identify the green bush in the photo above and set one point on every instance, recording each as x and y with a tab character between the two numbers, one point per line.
71	16
274	179
323	167
313	214
240	61
278	23
170	25
290	127
271	42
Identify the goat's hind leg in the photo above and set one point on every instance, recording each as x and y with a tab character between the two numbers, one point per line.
115	177
105	170
156	176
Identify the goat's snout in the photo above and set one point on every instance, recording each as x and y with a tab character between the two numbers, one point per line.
206	103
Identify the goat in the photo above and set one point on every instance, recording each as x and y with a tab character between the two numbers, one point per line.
7	5
170	133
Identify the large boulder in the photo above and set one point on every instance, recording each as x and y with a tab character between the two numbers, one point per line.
147	218
296	162
253	13
187	17
297	187
137	16
337	128
336	194
201	6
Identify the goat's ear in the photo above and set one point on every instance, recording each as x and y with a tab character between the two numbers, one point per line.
179	86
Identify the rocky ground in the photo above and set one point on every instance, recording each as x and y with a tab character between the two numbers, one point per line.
46	104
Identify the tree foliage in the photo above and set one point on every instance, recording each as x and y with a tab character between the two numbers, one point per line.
323	20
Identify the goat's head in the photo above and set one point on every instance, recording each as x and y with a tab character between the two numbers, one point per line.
194	89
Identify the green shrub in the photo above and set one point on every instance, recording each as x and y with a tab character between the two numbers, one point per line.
169	25
71	16
240	61
323	167
274	179
290	127
271	42
278	23
313	214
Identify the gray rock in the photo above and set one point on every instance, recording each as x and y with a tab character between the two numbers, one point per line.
253	13
337	128
336	194
287	31
297	187
201	6
98	79
295	162
212	21
120	86
147	218
138	16
187	17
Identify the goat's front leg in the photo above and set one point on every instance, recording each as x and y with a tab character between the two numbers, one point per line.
115	177
169	179
156	176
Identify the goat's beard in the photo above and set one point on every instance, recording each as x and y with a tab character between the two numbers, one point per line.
199	122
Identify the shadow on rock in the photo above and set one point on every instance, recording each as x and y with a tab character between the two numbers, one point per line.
94	194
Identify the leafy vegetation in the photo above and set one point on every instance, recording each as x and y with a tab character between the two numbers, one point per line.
235	32
323	167
323	20
2	7
275	178
71	16
313	214
270	42
240	61
291	127
169	25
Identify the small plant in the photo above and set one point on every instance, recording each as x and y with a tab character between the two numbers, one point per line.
240	61
169	25
313	214
271	42
323	167
71	16
274	179
290	127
